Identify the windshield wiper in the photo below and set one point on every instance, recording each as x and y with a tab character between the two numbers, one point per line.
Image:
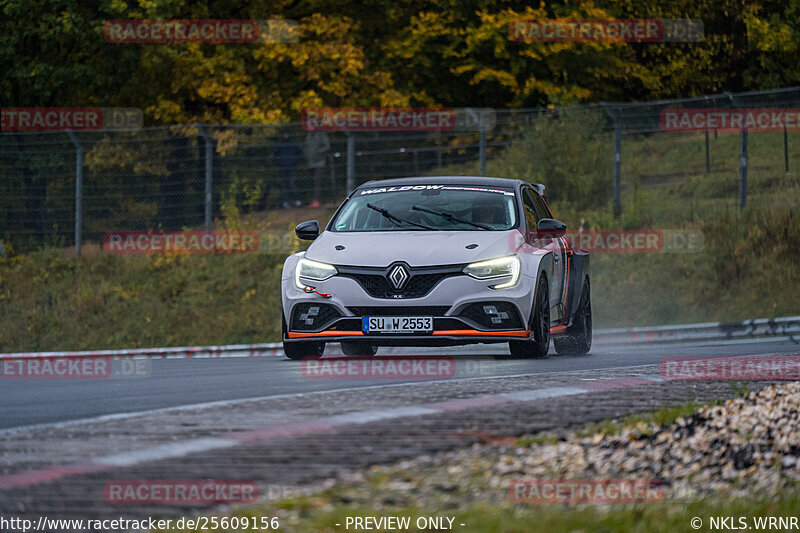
395	219
450	216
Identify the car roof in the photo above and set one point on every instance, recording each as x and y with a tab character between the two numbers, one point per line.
506	183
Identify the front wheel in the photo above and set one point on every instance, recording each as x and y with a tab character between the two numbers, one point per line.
303	350
578	338
538	346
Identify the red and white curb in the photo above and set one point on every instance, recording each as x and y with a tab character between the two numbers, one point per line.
279	430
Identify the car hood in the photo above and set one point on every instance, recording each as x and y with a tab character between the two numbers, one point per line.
417	248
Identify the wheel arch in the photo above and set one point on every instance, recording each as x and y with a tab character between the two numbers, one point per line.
541	274
579	276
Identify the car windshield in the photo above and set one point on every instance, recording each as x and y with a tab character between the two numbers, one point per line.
428	208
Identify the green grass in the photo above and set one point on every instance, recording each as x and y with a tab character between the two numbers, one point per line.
661	417
323	512
645	518
48	302
748	267
527	442
741	389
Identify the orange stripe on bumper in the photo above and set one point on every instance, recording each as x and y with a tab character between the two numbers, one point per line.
518	333
451	332
558	330
326	333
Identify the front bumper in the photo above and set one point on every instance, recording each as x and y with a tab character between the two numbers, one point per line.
456	304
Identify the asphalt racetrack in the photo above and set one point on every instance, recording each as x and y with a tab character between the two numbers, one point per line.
172	383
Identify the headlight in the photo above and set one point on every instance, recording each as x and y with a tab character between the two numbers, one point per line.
313	270
496	268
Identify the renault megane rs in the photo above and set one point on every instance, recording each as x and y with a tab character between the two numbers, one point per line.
438	261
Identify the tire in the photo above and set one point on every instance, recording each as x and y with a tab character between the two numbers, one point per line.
303	350
578	338
359	348
300	350
538	346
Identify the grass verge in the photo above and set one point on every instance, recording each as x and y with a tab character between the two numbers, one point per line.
747	267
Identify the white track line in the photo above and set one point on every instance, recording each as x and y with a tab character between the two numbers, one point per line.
164	451
240	401
267	433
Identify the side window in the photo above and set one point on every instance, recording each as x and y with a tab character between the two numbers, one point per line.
540	206
531	216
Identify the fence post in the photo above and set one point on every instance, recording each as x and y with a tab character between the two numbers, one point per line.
708	159
439	146
482	146
617	168
742	158
617	157
78	190
351	161
743	171
209	159
785	148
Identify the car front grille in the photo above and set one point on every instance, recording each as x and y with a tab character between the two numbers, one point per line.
375	281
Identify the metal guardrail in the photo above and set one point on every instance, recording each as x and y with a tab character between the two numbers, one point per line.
788	327
759	327
199	352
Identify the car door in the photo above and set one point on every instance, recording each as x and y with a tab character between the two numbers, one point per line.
533	203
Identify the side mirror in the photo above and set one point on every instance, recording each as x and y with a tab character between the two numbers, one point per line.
551	228
308	230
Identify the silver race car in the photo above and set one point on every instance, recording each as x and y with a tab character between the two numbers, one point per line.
438	261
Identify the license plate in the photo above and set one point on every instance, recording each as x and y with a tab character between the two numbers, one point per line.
396	324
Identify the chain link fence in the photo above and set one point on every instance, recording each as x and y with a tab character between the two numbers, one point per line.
703	156
624	163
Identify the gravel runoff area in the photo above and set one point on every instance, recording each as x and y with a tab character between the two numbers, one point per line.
743	447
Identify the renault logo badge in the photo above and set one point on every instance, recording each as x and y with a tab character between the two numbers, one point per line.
398	277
